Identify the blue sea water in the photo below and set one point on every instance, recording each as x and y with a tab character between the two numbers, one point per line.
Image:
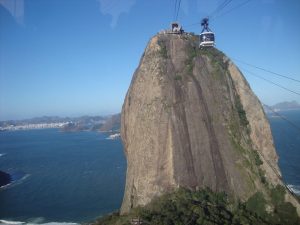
287	143
70	177
78	176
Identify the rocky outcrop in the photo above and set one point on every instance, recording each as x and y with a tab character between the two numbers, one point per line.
4	178
191	120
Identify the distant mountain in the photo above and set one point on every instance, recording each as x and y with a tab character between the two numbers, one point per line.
84	123
282	106
106	124
286	105
112	124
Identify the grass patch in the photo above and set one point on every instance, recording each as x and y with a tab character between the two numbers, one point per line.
277	195
257	204
241	112
286	213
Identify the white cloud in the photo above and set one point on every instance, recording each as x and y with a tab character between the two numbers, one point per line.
15	8
115	8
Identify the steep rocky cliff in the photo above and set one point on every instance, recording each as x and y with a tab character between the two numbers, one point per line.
191	120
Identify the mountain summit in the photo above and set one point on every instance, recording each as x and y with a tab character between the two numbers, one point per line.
191	120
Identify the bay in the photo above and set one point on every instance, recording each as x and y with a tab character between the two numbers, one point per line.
79	176
62	177
287	142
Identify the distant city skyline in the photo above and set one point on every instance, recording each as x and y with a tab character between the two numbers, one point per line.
73	58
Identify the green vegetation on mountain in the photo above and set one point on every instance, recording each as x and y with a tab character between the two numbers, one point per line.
184	207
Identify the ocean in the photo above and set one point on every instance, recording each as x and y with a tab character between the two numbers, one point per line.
287	143
78	176
60	177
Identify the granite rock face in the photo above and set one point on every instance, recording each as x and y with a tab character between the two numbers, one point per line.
191	120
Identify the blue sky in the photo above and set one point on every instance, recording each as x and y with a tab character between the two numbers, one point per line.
77	57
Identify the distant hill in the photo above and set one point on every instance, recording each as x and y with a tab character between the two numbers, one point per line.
112	124
286	105
106	124
282	106
85	123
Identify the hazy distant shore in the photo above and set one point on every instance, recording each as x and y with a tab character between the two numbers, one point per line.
67	124
32	126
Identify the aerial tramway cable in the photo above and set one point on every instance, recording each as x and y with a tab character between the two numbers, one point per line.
219	8
282	117
214	15
230	10
269	71
271	82
177	8
276	113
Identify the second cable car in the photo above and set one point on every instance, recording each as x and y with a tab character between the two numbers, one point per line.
207	37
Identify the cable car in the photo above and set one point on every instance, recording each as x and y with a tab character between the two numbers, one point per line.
207	37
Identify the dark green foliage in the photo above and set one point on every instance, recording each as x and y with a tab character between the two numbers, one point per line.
286	213
242	114
257	204
277	195
258	161
205	207
186	207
